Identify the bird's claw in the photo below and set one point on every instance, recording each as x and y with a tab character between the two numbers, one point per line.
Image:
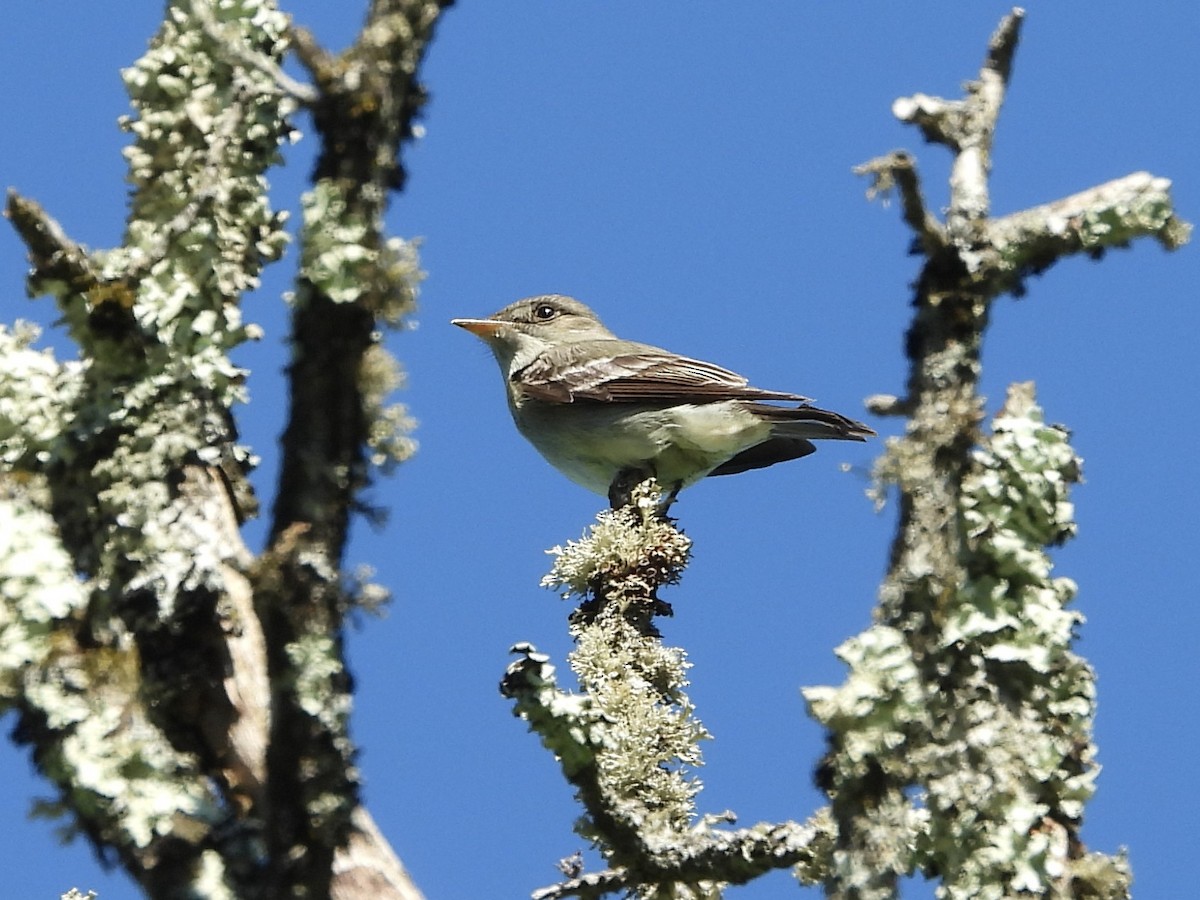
624	491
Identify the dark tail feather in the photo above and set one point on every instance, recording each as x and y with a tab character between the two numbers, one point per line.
765	454
811	422
793	431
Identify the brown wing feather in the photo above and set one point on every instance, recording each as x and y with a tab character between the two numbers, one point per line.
588	371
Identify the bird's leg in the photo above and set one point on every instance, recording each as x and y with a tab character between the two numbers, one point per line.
620	492
669	498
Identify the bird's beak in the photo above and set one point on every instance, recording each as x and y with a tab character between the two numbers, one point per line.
483	328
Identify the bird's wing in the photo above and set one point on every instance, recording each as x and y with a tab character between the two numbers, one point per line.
622	372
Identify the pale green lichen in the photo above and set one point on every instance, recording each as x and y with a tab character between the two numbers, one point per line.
365	593
344	259
629	741
201	227
37	395
984	710
388	425
316	659
638	728
160	381
334	255
38	587
570	725
631	551
106	749
106	443
340	261
210	881
652	739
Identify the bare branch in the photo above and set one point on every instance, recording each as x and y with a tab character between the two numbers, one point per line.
967	126
367	868
898	171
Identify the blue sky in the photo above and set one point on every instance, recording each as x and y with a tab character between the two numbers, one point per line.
685	169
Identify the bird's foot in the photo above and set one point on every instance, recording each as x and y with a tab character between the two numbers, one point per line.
620	492
624	491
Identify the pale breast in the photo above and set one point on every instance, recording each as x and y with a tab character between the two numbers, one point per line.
591	442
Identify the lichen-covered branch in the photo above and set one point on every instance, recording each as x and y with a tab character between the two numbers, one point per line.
718	856
189	702
353	281
987	709
353	278
960	744
133	656
1107	216
629	741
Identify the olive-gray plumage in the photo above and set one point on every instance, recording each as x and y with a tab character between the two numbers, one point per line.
596	406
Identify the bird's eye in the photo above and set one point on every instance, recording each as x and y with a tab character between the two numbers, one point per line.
544	312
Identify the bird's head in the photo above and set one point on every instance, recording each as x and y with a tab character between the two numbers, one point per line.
522	330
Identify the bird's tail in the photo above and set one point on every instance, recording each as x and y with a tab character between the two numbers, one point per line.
792	431
809	422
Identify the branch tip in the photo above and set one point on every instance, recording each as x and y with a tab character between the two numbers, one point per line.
1003	45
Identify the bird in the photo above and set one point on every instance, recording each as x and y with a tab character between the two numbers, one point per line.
608	413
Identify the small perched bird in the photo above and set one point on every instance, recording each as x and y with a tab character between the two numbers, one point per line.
608	412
